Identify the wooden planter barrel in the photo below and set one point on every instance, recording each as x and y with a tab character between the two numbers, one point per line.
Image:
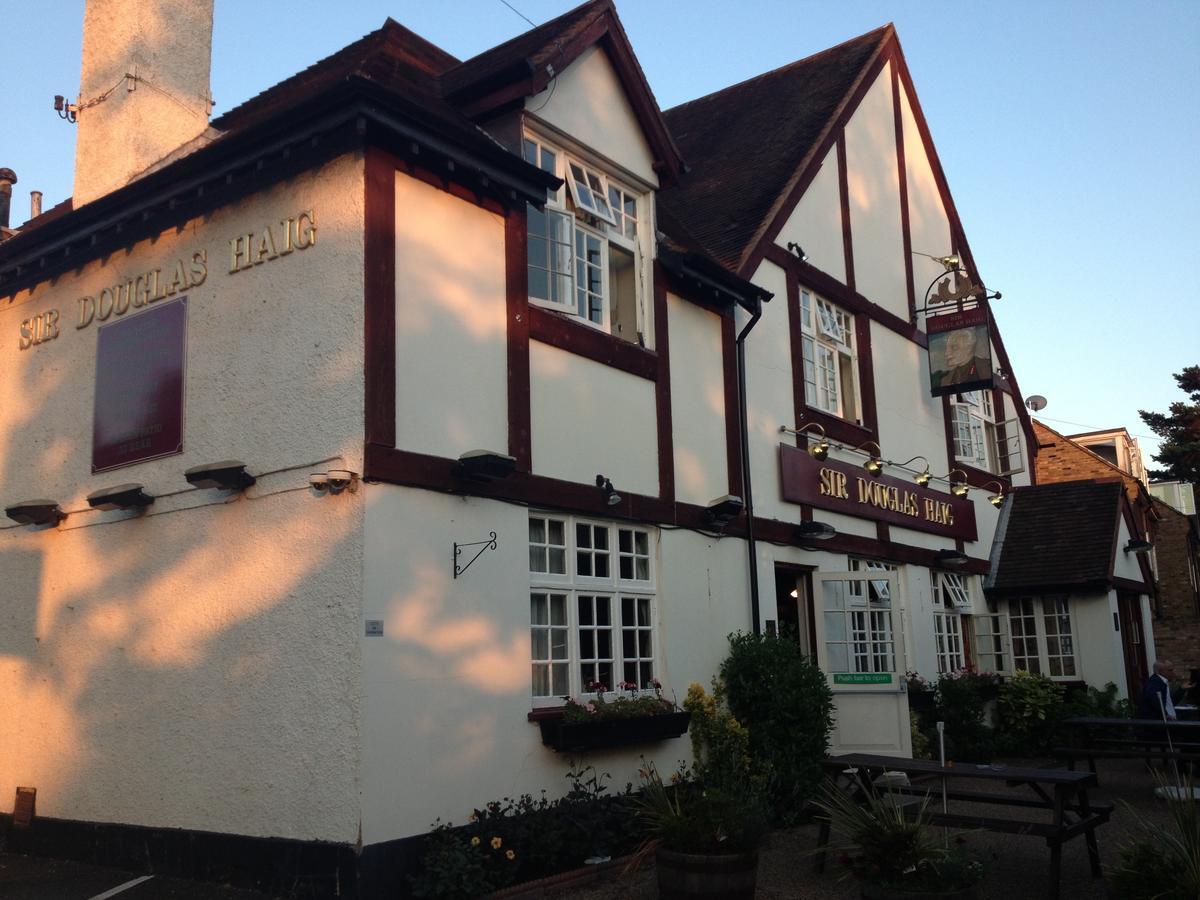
730	876
879	892
578	736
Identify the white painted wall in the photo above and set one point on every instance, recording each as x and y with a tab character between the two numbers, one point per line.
1098	654
451	324
588	419
910	420
816	222
196	666
697	403
587	102
928	224
1125	565
447	685
873	183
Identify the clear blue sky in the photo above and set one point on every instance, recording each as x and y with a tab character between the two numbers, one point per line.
1069	132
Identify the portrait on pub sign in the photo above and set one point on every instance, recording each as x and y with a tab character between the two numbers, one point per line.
960	353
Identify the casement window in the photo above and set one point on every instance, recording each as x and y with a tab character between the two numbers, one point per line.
989	636
830	361
583	249
860	634
592	614
979	440
951	600
1042	636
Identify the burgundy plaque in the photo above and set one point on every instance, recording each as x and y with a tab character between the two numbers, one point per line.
960	351
24	806
848	488
139	387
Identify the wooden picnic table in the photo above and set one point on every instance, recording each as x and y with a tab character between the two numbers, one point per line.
1116	738
1061	792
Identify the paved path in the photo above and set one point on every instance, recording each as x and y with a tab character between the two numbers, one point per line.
33	878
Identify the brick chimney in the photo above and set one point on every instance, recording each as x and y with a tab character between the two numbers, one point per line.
7	179
144	88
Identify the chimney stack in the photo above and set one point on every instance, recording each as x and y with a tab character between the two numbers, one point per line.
35	204
143	89
7	179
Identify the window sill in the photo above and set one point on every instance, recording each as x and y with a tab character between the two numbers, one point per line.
978	478
562	331
562	736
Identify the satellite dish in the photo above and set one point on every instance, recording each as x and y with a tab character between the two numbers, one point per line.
1037	402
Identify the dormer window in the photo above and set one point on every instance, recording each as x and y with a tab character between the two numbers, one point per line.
584	252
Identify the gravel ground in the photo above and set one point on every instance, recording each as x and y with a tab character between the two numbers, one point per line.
1018	866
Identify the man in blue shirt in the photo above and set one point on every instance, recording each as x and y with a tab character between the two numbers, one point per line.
1155	700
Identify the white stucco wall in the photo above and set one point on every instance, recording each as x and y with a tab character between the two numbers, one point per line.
195	666
448	682
697	403
928	224
910	420
1098	655
450	324
588	103
589	419
816	222
873	184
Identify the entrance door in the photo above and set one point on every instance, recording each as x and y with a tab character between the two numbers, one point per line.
860	647
793	605
1129	607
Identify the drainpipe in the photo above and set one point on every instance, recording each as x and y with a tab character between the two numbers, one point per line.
747	489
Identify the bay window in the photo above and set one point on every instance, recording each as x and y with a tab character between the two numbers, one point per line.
583	249
830	362
592	607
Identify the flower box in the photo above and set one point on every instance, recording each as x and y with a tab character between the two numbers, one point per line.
565	736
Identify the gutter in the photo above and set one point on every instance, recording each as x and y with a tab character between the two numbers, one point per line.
747	487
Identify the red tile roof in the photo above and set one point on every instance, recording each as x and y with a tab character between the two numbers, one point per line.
746	143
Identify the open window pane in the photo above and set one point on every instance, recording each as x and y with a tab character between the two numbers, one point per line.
588	191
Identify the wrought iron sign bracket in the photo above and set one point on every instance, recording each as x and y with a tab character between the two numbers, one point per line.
484	546
964	293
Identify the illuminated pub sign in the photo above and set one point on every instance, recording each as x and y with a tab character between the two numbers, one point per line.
960	351
847	488
139	387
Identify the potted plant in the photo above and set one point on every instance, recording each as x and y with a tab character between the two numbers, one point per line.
1163	861
631	717
704	837
893	852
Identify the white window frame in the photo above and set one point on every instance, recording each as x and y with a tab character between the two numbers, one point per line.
585	218
1042	611
872	629
952	604
575	587
979	439
828	347
989	642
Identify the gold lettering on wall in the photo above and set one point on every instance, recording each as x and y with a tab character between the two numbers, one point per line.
273	241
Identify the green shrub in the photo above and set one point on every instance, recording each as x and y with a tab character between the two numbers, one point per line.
784	702
509	841
922	748
1101	703
961	706
1030	708
698	817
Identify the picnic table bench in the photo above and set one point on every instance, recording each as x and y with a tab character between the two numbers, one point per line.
1061	792
1098	737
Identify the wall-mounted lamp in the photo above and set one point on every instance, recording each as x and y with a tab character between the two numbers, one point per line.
818	451
958	488
996	499
874	463
485	465
921	478
951	559
227	475
1137	545
123	496
35	512
798	250
334	481
723	510
611	497
949	263
815	531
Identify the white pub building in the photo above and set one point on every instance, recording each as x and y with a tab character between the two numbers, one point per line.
343	435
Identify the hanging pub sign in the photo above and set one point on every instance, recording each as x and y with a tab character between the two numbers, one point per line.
847	488
139	387
960	351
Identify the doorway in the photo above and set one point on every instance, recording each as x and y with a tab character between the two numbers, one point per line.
794	607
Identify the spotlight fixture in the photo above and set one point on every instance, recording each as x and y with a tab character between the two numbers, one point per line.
958	488
1137	545
798	250
818	451
35	512
996	499
340	479
611	497
815	531
485	465
123	496
319	482
921	478
874	463
227	475
951	559
723	510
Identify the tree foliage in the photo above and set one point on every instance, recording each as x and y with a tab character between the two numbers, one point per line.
1179	429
